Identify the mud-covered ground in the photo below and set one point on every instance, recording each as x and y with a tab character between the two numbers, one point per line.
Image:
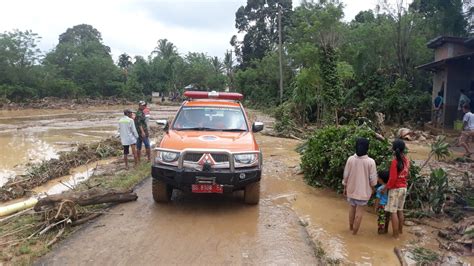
293	224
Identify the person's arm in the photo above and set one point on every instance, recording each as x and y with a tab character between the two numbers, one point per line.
393	175
347	170
134	129
465	121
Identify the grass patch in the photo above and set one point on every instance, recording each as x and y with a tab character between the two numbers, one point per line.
424	256
18	249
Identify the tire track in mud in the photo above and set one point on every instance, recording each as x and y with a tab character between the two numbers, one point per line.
197	229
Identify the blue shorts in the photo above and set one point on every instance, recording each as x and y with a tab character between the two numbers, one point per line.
146	142
356	202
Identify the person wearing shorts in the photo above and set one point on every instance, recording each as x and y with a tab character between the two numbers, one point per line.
468	130
360	176
128	136
397	187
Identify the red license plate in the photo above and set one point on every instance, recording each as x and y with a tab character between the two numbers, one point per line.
207	188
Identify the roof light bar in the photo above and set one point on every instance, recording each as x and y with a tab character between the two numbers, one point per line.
213	95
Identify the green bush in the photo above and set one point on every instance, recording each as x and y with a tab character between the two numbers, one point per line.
327	151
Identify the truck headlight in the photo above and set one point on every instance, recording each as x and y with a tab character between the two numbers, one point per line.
168	156
246	158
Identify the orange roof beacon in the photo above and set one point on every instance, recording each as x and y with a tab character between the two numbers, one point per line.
209	147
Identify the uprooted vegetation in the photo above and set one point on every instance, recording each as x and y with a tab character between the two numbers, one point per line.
31	233
325	153
40	173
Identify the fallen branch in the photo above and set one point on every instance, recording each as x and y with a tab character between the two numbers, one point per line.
52	225
86	219
56	238
90	197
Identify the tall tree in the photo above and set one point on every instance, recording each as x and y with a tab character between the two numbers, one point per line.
259	21
81	56
444	17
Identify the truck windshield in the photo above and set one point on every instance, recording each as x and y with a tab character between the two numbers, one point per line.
210	118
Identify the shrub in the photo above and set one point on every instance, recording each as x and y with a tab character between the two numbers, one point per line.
284	124
327	150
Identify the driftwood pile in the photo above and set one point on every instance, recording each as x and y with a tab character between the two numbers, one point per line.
58	212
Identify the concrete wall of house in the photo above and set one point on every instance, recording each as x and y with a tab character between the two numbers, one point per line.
459	76
450	50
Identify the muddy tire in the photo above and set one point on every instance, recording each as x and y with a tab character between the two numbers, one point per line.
161	191
252	193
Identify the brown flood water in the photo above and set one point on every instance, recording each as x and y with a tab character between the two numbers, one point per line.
214	229
34	135
195	229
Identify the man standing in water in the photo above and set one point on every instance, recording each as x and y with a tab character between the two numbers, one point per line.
128	136
142	129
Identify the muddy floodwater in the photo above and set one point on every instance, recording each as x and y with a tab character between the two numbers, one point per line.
288	225
291	223
33	135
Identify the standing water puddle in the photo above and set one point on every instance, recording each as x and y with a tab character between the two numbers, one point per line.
324	212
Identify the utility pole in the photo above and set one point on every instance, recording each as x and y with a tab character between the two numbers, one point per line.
280	52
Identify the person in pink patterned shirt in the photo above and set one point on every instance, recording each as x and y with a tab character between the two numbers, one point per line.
360	178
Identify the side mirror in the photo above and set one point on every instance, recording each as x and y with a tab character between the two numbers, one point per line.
163	123
257	126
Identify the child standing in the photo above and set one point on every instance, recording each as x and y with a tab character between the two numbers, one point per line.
397	186
360	176
381	199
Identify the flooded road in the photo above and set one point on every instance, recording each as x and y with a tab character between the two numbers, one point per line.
34	135
214	229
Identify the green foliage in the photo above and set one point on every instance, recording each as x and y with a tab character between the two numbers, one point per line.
259	82
328	149
424	256
427	193
439	149
259	21
284	124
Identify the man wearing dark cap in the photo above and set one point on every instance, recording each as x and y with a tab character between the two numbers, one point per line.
128	136
142	129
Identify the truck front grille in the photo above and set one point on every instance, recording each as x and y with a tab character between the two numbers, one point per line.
195	157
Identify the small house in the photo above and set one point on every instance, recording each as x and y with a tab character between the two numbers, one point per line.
453	70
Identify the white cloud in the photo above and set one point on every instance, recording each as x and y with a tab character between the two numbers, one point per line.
130	26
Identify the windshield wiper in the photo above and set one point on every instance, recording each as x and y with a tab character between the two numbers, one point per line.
234	130
199	128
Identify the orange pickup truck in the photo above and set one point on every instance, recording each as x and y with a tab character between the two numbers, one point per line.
209	147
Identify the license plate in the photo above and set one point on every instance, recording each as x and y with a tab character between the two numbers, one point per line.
207	188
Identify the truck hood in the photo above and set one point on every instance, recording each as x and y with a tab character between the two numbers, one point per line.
233	141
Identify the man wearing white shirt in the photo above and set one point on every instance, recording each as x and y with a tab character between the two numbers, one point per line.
128	136
468	129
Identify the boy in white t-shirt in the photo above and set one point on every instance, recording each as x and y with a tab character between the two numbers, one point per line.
468	129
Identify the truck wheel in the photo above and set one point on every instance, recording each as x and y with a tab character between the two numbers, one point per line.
161	191
252	193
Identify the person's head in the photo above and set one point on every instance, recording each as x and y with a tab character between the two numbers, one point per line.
141	105
466	108
398	148
127	112
362	146
383	177
463	91
440	93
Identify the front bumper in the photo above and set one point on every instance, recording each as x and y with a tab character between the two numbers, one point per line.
184	178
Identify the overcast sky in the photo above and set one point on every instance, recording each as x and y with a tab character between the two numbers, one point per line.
134	26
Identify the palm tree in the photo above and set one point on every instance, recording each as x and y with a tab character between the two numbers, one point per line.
165	49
